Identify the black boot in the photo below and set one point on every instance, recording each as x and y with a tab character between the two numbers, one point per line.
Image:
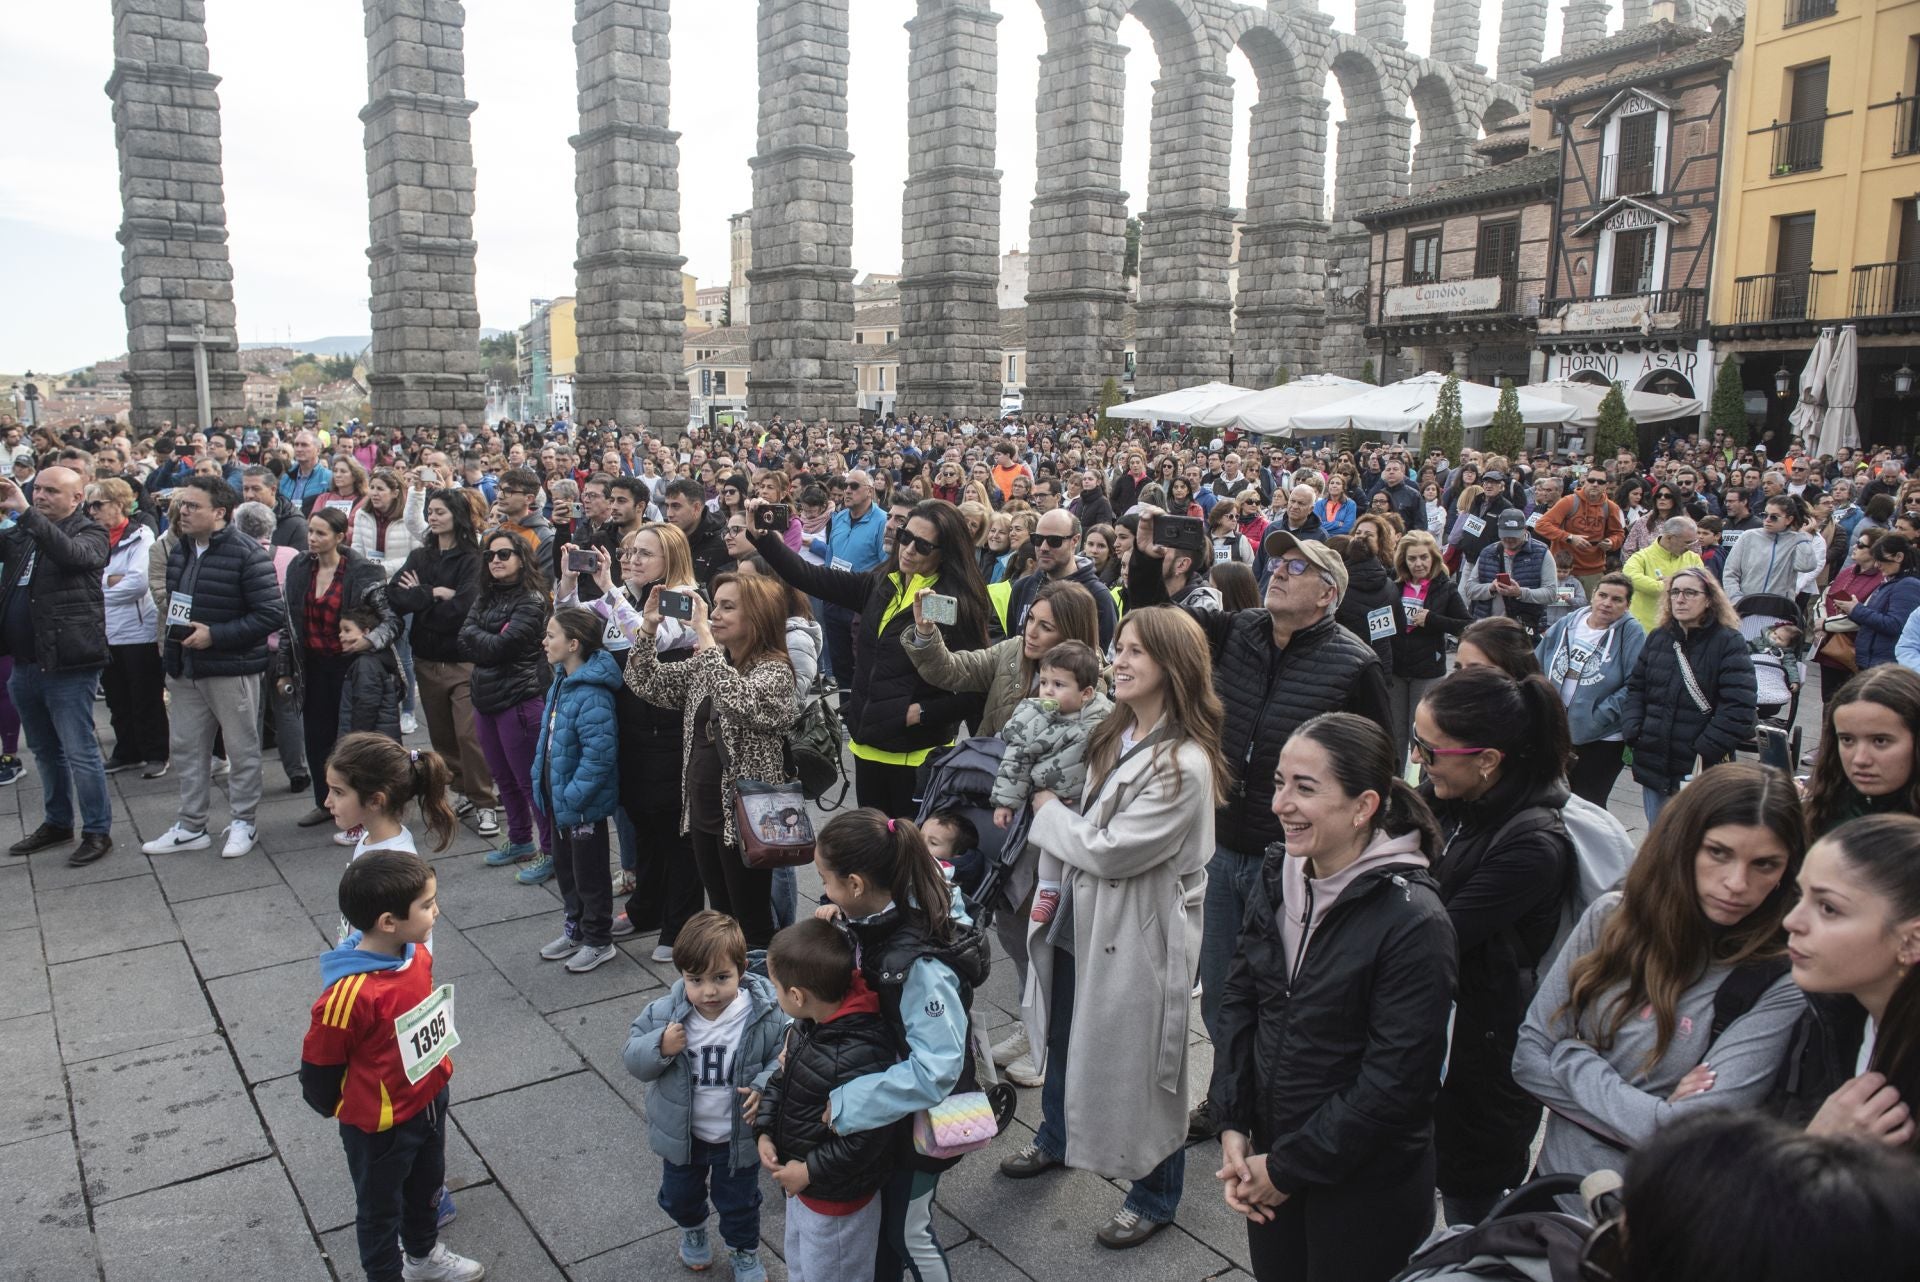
93	846
45	837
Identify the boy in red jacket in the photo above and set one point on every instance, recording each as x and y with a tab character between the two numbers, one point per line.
376	1057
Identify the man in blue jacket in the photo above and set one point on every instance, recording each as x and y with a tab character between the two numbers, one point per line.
1588	657
855	541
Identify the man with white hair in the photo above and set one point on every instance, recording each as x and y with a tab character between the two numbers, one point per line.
310	480
1653	567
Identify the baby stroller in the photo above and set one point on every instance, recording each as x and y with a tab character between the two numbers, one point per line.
1775	739
1528	1238
960	780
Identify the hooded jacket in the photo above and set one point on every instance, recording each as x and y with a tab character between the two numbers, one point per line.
1770	564
1370	608
1333	1024
1663	719
1086	576
131	616
576	764
350	1066
851	1043
1046	748
1599	702
708	543
670	1080
370	695
290	527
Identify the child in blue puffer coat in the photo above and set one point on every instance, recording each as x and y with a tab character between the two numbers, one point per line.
576	782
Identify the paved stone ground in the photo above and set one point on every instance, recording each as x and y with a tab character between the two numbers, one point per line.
151	1011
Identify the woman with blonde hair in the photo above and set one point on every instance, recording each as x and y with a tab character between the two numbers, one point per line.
1432	610
1136	853
349	493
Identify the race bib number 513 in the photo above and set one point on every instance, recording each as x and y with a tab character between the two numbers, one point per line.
426	1033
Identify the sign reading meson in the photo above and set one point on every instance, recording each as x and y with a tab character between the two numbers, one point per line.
1442	296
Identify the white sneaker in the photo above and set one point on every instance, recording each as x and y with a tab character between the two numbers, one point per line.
662	953
349	836
488	824
1011	1047
409	724
1023	1073
240	837
178	837
441	1265
222	766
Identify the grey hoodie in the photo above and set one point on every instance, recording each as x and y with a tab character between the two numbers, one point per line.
1310	899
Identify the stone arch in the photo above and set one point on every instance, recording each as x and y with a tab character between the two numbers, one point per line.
1269	44
1503	102
1447	134
1364	77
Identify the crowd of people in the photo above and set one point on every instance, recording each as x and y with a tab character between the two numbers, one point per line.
1320	732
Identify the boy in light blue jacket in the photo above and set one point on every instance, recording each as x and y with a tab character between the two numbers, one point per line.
1587	657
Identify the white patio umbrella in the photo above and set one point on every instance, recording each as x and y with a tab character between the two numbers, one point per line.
1838	425
1270	412
1808	412
1644	407
1179	406
1399	408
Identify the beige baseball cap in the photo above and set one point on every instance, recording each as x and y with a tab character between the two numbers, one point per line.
1278	543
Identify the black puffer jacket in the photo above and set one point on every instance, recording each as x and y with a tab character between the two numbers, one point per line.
708	542
651	760
1503	874
503	638
1821	1056
1472	545
237	596
370	699
885	682
1421	653
1370	609
363	582
66	593
437	623
1333	1072
819	1057
290	528
1267	694
1664	721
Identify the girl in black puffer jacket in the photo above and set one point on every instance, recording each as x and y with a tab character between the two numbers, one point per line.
1691	696
502	638
1370	607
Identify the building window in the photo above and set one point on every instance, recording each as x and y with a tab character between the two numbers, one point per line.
1800	144
1638	155
1423	257
1799	11
1632	261
1013	368
1498	254
889	336
719	382
1793	267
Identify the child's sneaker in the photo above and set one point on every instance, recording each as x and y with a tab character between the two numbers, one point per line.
11	769
512	853
747	1267
694	1251
448	1211
565	946
441	1265
1045	904
538	870
590	957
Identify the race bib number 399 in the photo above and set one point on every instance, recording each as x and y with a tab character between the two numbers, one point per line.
426	1033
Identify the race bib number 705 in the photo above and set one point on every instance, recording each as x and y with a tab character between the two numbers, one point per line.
426	1033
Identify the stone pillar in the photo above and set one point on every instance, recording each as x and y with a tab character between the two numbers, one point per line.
1383	22
801	281
173	228
1185	299
1523	38
1635	13
629	311
1076	293
426	322
1281	307
1443	154
1585	22
1456	32
950	215
1371	169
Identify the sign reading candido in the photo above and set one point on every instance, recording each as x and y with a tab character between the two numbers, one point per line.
1442	296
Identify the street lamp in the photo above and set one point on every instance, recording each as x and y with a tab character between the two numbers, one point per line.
1903	380
1782	380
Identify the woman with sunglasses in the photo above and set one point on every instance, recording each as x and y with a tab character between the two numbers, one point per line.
895	718
1880	617
1495	752
1223	535
1691	696
1672	994
1645	532
503	637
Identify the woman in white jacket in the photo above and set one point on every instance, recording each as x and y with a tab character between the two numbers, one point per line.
387	528
133	681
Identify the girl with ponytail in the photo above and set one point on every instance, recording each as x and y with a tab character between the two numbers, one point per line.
1495	751
370	778
918	950
1333	1026
1854	940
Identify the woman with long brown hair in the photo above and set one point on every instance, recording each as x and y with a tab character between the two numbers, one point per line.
1115	1095
1869	755
1631	1028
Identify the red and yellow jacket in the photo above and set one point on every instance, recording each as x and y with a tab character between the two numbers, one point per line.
351	1063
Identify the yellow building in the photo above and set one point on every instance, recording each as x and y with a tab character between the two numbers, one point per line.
564	351
1820	202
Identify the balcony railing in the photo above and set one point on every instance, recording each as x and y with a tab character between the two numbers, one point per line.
1906	126
1798	145
1799	11
1887	289
1777	296
1639	176
1658	311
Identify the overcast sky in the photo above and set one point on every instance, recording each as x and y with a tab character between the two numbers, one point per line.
296	176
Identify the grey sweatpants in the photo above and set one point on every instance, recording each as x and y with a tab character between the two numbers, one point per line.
831	1248
197	706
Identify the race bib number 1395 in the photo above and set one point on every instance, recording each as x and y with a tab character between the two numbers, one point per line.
426	1033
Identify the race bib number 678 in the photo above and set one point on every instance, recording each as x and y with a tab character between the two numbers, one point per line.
426	1033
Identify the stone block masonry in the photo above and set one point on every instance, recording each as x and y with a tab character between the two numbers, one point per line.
629	313
173	231
420	183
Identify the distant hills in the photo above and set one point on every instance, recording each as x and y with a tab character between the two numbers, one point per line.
337	344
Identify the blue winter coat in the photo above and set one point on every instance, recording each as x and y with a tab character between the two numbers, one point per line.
670	1081
1881	617
581	738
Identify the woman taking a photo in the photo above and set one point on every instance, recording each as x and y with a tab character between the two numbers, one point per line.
736	698
330	579
1495	752
1432	610
1333	1027
1115	1095
435	590
895	718
1869	761
504	638
1636	1026
1691	695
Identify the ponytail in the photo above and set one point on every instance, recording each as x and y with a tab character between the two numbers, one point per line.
431	780
891	854
374	765
1522	719
1404	810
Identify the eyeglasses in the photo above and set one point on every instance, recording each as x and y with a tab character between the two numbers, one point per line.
1422	750
514	489
503	554
629	558
1044	540
94	505
927	547
1294	566
1685	594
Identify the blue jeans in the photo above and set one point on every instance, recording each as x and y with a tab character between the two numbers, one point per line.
1652	803
786	897
736	1194
1154	1196
1230	880
403	651
629	840
56	711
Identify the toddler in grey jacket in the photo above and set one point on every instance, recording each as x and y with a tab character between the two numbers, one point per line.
1046	747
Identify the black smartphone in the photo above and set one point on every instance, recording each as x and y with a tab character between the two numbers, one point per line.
1181	533
774	517
676	605
581	560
